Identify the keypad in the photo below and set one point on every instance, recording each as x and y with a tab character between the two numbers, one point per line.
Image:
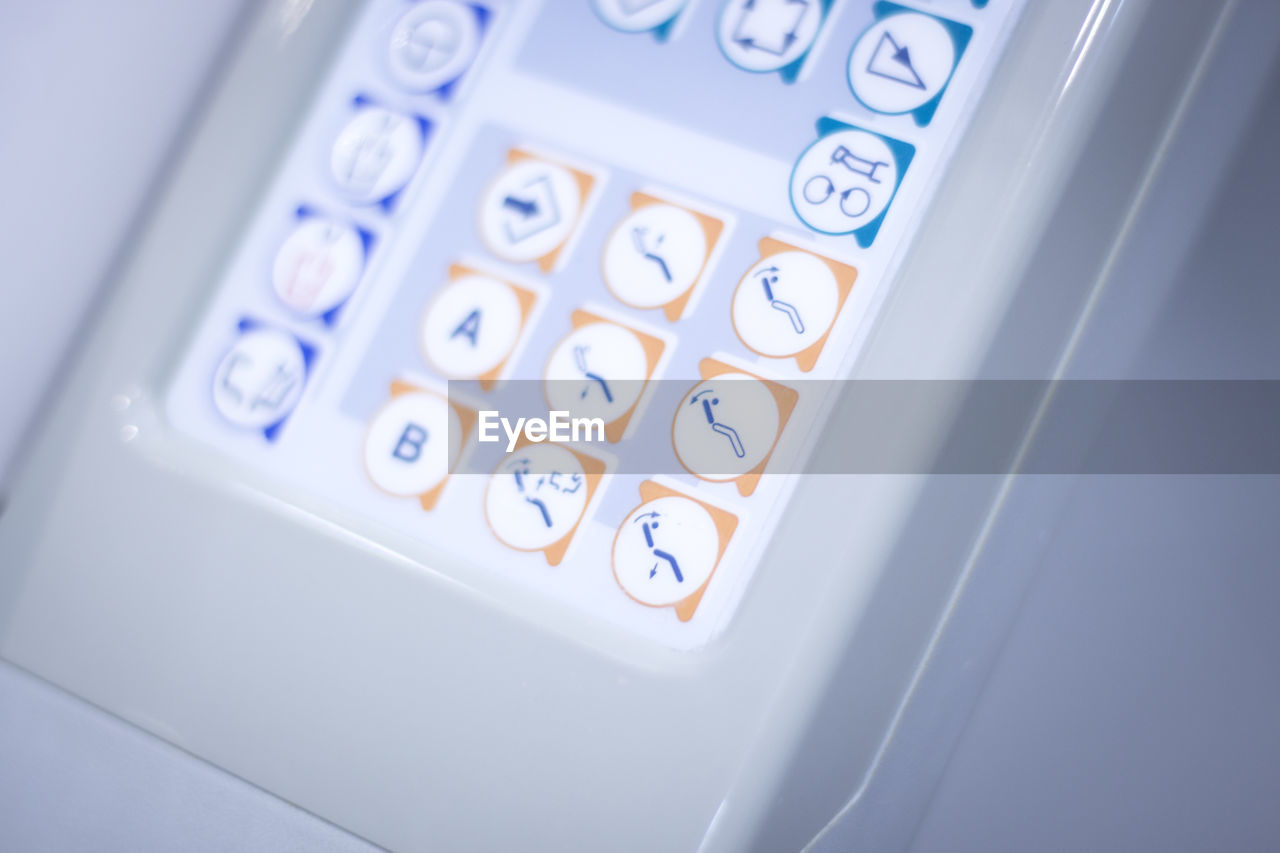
664	240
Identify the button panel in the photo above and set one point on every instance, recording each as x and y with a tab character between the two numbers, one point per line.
472	214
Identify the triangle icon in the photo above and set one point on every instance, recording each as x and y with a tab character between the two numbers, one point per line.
893	62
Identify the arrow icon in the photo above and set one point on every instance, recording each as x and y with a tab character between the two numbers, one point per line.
892	61
532	207
520	206
769	25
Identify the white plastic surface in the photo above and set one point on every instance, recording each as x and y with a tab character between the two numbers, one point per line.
136	117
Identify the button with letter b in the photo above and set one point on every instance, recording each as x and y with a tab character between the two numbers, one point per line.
413	442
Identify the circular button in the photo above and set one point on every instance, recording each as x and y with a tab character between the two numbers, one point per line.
537	498
665	551
761	35
529	210
725	426
318	266
260	379
410	443
470	327
432	44
637	16
375	154
654	255
843	181
901	62
597	371
785	304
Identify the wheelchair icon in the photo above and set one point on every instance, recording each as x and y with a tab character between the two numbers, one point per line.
843	181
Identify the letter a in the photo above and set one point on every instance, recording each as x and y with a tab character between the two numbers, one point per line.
470	327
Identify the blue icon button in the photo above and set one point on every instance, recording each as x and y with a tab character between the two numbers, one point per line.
260	379
770	35
904	61
845	181
640	16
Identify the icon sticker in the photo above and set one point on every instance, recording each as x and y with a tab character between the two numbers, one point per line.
658	255
319	265
600	370
531	211
471	328
434	43
770	35
376	153
667	549
414	441
536	499
787	303
260	380
843	182
639	16
904	61
728	424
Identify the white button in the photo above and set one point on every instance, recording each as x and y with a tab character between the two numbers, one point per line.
901	63
432	44
843	181
318	266
765	35
537	498
410	443
597	371
654	255
260	378
529	210
470	327
785	303
665	551
637	16
375	154
725	426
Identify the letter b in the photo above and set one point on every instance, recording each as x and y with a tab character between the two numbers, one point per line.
409	447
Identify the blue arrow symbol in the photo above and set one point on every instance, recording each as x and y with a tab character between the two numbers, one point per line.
520	206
